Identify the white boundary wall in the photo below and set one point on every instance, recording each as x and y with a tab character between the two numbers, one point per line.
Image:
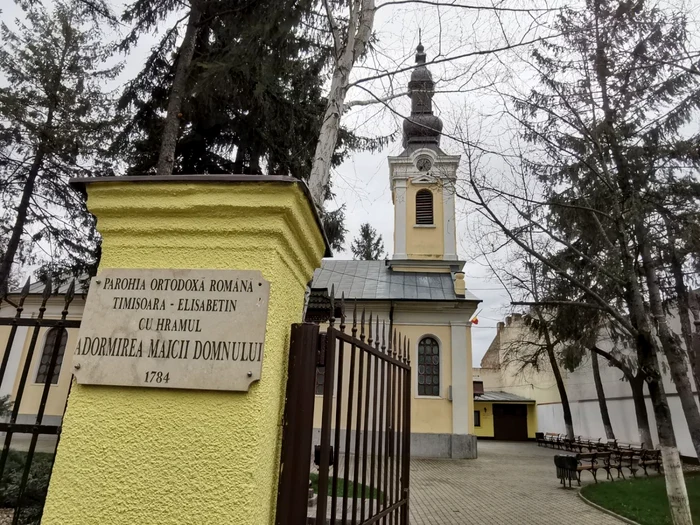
588	423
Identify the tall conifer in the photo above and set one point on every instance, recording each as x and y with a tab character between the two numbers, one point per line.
54	119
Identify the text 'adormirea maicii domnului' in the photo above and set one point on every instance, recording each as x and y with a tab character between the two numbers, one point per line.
169	312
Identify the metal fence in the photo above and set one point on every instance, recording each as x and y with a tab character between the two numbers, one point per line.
25	474
364	450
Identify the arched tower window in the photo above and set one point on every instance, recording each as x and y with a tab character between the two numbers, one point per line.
49	343
424	207
428	367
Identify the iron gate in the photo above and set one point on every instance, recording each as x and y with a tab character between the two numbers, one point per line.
363	452
25	474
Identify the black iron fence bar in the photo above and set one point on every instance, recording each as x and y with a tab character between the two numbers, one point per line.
297	425
358	434
375	389
387	428
375	351
29	428
338	413
394	415
23	378
44	323
406	453
380	423
399	418
385	512
326	414
368	386
348	431
13	321
392	424
42	404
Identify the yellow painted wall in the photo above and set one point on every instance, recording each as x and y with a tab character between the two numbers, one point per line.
531	421
487	430
423	242
146	456
429	415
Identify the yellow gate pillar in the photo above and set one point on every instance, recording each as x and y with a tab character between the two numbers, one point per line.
149	456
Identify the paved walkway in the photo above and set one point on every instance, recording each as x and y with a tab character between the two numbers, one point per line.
510	483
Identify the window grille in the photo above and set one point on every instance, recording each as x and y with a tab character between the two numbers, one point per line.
424	207
43	371
428	367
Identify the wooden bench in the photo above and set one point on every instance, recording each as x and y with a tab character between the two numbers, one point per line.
591	461
569	443
650	458
610	444
630	446
614	462
630	459
551	438
592	444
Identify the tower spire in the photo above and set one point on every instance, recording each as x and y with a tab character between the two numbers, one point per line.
422	127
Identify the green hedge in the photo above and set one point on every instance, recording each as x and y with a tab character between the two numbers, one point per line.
37	484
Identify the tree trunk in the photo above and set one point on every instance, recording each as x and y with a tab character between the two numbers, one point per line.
171	127
670	343
328	137
20	220
683	303
568	420
673	468
354	45
646	348
602	403
640	411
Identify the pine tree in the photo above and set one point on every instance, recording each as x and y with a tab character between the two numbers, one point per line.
367	246
614	164
54	119
252	101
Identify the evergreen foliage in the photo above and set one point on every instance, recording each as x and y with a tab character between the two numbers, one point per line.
253	100
54	120
618	173
367	246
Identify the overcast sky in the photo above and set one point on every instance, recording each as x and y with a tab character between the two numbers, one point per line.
465	96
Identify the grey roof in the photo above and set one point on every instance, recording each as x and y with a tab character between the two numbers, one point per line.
375	280
502	397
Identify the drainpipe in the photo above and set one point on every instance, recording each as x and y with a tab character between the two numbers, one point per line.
391	318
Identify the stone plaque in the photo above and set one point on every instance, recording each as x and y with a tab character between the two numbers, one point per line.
198	329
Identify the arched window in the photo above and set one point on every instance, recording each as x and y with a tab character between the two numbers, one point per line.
424	207
49	343
428	367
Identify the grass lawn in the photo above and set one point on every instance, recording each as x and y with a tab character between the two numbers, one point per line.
643	500
341	484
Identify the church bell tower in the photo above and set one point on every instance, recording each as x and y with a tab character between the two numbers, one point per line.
422	183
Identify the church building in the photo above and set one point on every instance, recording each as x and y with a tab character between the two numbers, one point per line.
421	291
